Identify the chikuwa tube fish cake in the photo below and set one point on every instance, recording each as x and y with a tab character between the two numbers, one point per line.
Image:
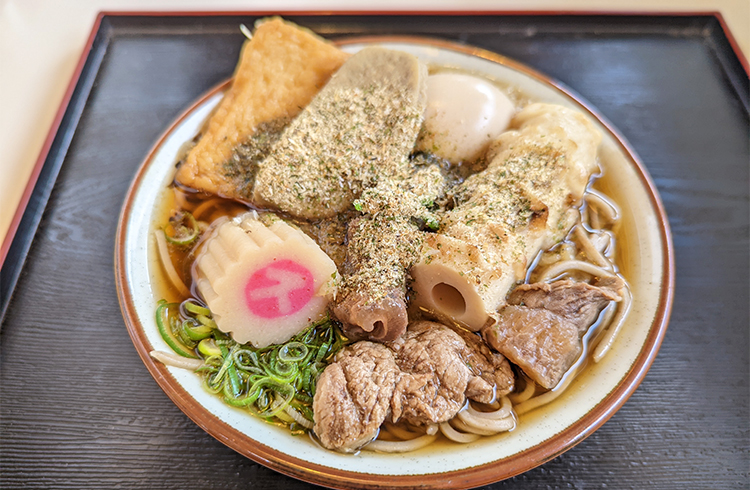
280	70
523	202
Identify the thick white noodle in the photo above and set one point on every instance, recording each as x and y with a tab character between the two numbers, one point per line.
603	204
585	214
573	265
544	398
166	262
432	429
500	413
623	308
202	207
601	242
528	391
493	426
460	425
590	250
593	218
456	436
174	360
400	446
609	313
400	432
180	200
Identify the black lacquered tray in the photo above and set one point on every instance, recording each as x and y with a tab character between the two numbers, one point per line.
79	410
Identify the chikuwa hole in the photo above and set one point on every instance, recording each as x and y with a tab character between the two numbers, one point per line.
450	298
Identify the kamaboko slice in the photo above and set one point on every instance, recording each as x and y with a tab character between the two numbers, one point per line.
263	284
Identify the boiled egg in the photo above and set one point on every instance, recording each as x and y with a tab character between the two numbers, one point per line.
464	115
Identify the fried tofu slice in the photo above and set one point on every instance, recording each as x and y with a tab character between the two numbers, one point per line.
280	70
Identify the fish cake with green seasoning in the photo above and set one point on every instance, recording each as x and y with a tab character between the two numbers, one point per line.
358	130
382	245
523	202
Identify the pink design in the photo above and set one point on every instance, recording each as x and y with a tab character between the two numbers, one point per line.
279	289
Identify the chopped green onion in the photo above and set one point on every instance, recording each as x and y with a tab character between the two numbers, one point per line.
196	332
292	351
208	347
322	351
164	324
182	229
432	224
208	322
271	382
195	308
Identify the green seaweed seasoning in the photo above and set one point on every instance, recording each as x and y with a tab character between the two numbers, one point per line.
276	383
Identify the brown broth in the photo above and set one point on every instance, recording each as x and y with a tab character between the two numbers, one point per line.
174	199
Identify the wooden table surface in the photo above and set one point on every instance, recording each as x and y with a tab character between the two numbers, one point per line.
79	410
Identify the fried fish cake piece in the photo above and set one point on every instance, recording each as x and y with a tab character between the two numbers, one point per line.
280	70
357	131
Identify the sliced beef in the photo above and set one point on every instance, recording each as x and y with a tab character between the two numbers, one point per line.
489	369
423	377
540	328
577	302
541	343
434	376
353	396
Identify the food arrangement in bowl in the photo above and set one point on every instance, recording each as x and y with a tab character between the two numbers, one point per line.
390	249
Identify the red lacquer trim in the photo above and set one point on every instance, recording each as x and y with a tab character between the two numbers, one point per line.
518	12
466	478
16	221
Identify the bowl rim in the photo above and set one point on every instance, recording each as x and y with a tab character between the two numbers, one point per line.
463	478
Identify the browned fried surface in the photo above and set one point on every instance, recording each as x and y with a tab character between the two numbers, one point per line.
279	72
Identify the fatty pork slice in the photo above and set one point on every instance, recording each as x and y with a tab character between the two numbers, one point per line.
358	130
353	396
424	377
540	328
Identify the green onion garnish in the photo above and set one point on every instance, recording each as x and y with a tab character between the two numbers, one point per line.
276	383
165	322
182	229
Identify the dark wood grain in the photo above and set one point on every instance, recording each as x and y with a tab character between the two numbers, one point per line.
80	411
